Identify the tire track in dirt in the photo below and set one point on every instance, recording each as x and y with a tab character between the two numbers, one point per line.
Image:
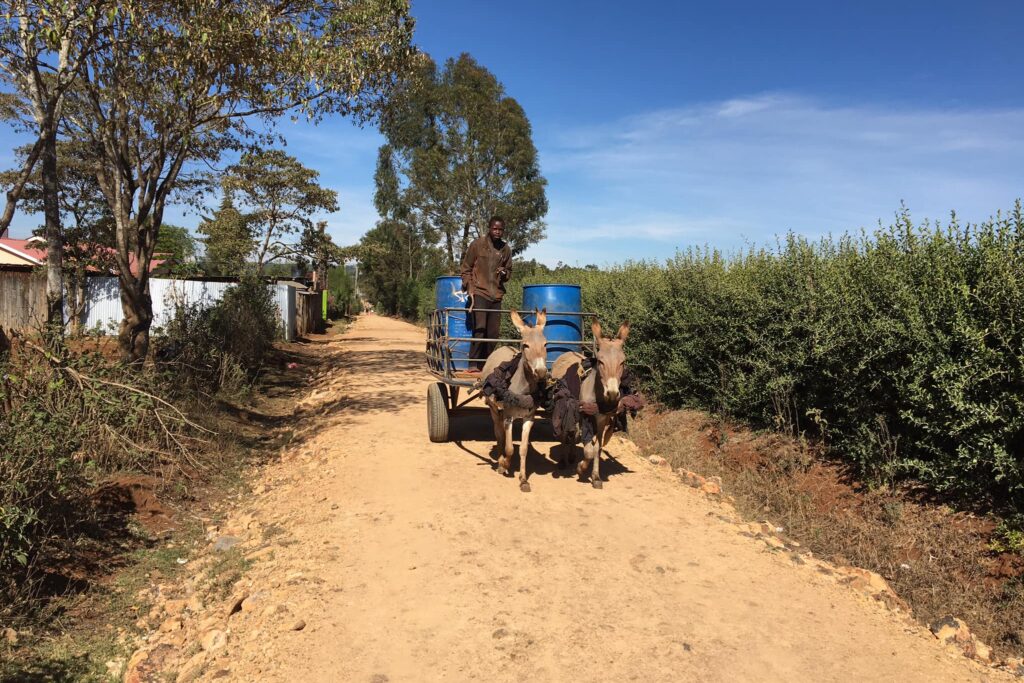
412	561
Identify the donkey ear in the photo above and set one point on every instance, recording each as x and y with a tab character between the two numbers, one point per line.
541	318
518	322
623	331
595	327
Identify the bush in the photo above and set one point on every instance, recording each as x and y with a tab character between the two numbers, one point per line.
902	349
342	299
65	422
224	346
39	475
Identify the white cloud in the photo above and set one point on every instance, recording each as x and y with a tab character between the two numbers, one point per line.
748	168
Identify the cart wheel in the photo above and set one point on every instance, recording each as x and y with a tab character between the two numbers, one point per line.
437	412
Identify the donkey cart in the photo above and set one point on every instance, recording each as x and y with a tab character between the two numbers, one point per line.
449	335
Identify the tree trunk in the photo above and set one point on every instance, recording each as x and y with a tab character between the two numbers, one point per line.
133	335
54	237
451	250
76	300
465	238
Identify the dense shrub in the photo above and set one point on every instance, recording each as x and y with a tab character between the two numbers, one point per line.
68	420
39	432
409	298
65	422
220	347
903	348
342	300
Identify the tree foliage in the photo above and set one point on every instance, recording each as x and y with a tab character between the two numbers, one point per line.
229	238
458	151
398	269
174	84
87	235
343	297
281	196
43	46
179	246
317	248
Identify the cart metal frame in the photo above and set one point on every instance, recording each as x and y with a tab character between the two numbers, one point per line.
443	395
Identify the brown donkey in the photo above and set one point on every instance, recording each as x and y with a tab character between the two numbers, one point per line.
529	375
601	387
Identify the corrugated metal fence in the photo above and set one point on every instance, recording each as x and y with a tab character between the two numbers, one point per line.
103	310
19	307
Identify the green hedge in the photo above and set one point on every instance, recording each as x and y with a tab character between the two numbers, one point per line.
903	348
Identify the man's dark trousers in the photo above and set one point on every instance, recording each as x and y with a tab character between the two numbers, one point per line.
485	326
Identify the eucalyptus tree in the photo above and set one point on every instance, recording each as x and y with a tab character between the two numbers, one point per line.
458	151
177	84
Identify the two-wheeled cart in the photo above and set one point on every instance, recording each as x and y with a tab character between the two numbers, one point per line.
447	354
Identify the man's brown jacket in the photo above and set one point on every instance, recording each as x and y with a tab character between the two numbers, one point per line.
486	268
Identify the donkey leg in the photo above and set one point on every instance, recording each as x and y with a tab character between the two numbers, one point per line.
591	460
589	448
506	457
601	436
524	451
499	428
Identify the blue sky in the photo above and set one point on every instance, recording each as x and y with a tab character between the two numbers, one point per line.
662	125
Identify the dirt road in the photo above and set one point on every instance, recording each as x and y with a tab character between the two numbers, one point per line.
410	561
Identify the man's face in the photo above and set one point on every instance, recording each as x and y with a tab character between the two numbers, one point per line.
497	230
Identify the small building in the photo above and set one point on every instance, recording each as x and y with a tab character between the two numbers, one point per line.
31	253
21	254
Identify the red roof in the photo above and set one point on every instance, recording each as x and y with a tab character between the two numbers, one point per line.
21	248
34	251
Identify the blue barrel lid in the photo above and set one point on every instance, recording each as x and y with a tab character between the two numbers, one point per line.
551	285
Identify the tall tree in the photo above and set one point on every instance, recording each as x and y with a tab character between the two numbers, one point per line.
86	226
176	83
43	45
317	247
178	244
458	151
229	238
281	196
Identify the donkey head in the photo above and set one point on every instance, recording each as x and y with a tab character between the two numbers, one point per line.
610	360
534	345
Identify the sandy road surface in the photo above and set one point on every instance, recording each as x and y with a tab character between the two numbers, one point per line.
412	561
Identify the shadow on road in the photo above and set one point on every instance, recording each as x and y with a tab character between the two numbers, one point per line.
472	431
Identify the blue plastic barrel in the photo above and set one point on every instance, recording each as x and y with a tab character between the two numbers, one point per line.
448	294
560	328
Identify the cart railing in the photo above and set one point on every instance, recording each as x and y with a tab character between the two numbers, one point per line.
440	345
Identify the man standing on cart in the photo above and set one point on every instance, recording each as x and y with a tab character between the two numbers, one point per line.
486	267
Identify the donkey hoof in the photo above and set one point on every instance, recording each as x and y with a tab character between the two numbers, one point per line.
597	483
524	486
